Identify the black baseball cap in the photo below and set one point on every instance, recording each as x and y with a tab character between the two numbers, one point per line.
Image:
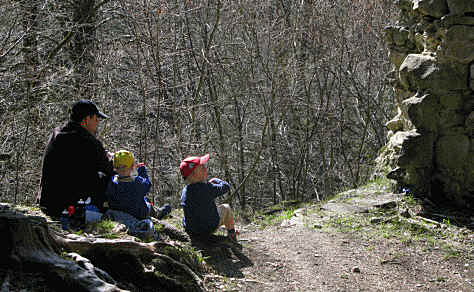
84	108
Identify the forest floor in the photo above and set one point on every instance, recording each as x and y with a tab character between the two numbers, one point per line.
366	239
362	240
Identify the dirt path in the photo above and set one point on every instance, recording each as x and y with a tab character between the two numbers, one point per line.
299	257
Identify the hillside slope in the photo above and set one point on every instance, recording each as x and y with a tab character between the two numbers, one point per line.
366	239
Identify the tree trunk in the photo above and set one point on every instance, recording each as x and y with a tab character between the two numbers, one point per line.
83	46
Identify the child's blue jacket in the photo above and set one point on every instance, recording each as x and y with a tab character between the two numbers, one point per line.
128	195
200	210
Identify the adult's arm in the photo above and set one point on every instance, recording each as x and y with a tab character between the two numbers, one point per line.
104	164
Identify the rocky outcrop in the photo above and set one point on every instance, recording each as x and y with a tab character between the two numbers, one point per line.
430	148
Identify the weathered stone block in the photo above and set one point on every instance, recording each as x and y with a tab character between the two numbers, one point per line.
458	45
401	121
469	102
421	72
397	56
451	122
396	35
404	4
452	189
416	67
396	141
450	20
434	8
451	101
456	177
452	151
471	79
451	114
460	6
419	42
417	150
470	127
423	112
395	124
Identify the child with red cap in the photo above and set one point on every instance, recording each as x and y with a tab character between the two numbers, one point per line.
201	215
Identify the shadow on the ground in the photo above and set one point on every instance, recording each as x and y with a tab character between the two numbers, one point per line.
447	214
223	255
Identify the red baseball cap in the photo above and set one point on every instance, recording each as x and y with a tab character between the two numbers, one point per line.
190	163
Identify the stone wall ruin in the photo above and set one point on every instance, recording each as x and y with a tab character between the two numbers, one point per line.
430	149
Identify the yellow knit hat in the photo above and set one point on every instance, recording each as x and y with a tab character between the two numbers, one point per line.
123	159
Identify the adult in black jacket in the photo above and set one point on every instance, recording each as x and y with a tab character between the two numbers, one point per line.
75	164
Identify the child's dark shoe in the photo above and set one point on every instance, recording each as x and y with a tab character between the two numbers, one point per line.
163	211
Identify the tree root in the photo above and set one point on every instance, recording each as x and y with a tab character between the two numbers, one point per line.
31	247
91	264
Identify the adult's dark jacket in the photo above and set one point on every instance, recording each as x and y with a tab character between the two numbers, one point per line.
72	163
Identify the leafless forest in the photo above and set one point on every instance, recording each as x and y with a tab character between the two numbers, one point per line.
289	97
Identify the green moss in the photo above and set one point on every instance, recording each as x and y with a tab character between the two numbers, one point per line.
187	255
410	200
272	219
345	224
450	253
104	229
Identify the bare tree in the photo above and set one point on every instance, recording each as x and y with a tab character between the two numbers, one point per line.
289	97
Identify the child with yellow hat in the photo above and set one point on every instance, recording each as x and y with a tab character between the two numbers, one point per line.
127	193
